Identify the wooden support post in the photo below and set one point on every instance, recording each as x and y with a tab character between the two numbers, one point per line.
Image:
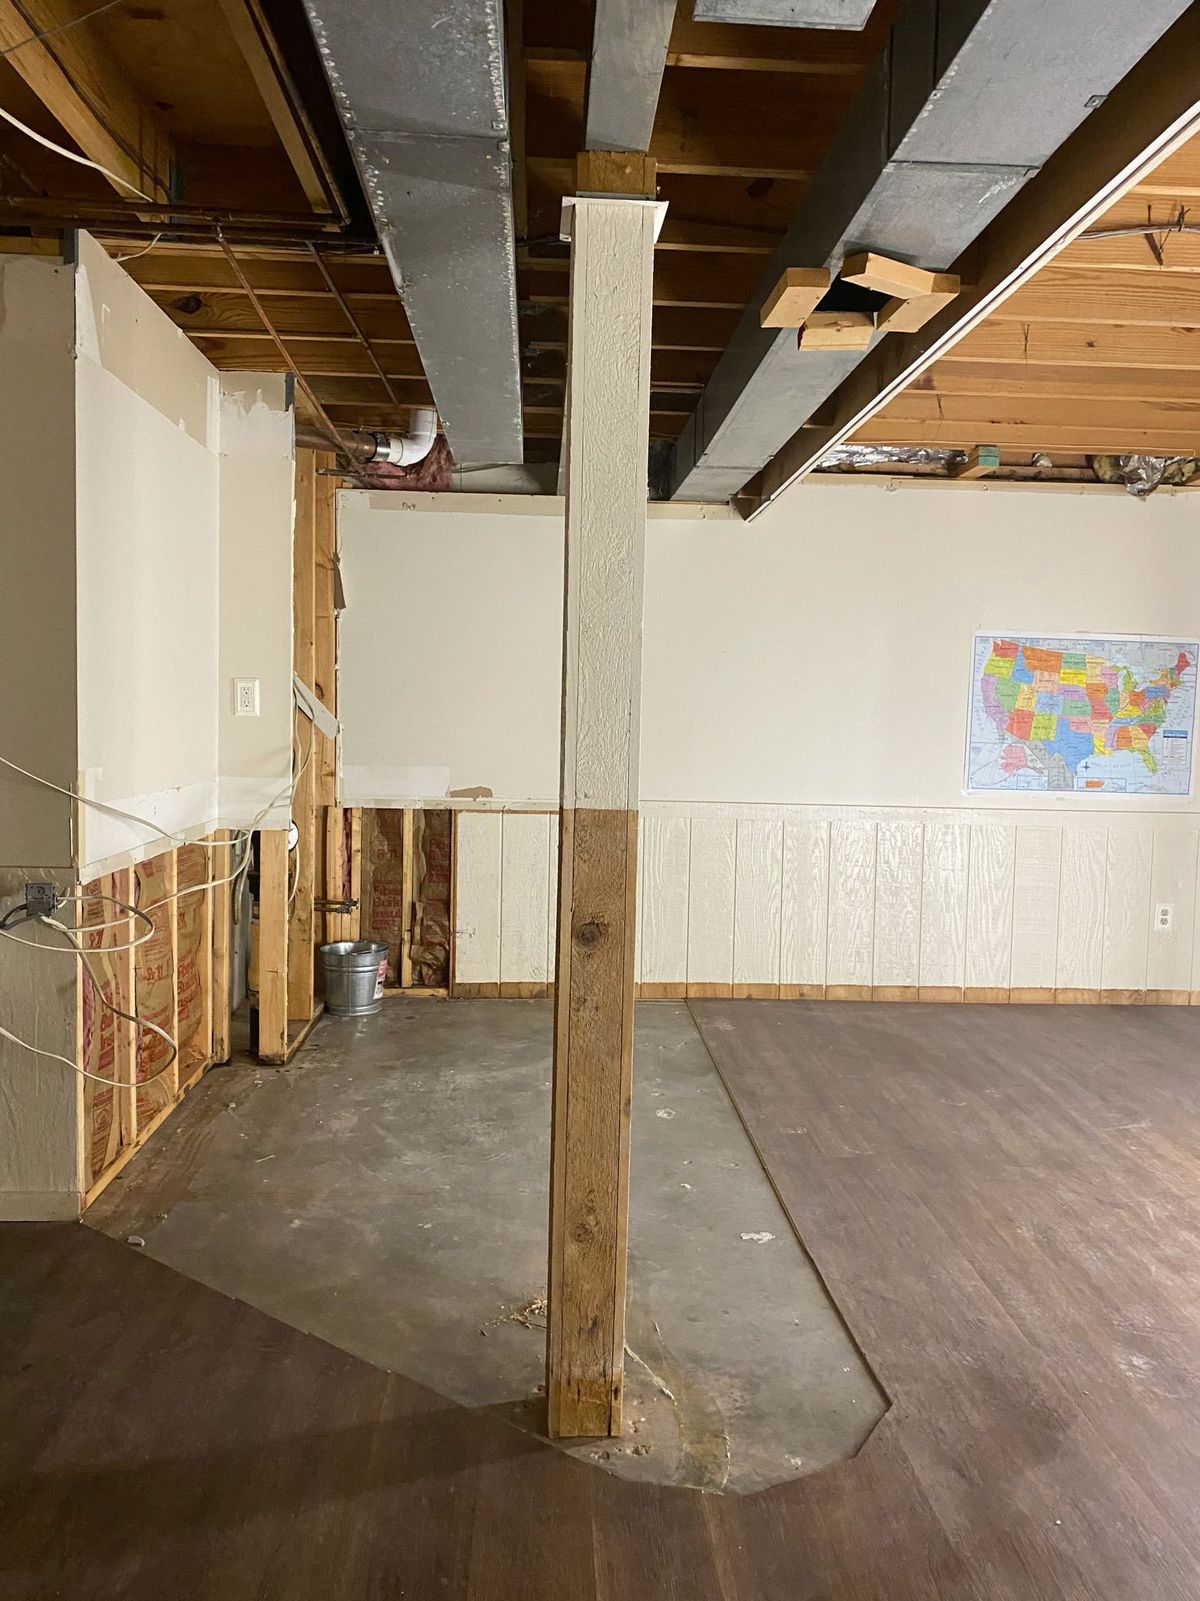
408	880
608	397
325	626
272	945
222	949
301	965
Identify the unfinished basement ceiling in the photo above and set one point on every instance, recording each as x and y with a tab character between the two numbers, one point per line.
1095	355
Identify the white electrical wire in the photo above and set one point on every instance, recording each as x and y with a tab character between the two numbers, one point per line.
133	255
141	1023
109	900
242	836
71	155
111	811
36	945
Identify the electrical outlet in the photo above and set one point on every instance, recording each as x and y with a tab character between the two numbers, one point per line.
1164	917
245	697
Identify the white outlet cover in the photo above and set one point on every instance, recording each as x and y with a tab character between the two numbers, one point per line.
245	697
1164	917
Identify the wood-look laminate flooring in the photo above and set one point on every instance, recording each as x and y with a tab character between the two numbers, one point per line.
1005	1203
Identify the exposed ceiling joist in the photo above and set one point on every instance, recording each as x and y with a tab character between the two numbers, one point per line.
423	95
86	90
1152	112
629	52
968	103
264	58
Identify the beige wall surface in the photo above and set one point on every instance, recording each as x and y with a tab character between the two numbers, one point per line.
819	656
257	513
37	556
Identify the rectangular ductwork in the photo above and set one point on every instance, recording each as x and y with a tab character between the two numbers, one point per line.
786	13
968	102
423	96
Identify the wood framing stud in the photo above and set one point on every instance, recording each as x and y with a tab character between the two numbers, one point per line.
794	297
273	945
222	957
837	330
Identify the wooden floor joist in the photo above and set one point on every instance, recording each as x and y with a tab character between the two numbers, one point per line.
606	442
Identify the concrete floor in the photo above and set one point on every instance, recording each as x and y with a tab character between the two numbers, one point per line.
387	1192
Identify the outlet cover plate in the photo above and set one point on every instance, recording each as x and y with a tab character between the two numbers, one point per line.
246	697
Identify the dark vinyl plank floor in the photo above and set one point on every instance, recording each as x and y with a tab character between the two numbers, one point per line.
1005	1203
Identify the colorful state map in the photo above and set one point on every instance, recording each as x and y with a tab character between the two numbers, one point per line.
1111	716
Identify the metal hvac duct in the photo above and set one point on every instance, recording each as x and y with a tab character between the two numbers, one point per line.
423	95
969	101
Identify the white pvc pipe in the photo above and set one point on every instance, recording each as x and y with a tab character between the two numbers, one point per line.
405	450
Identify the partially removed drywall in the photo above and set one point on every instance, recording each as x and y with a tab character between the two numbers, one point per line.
256	517
147	554
146	520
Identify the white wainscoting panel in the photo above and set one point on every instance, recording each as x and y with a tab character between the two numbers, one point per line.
804	922
525	897
851	902
477	837
848	900
899	862
758	900
711	880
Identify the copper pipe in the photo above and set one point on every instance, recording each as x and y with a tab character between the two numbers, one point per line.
354	323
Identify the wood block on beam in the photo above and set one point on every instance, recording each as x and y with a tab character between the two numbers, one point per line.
905	316
794	297
982	460
616	172
837	330
887	277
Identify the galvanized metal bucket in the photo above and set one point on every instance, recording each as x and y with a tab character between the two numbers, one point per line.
354	973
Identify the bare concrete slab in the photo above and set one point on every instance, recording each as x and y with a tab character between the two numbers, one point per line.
387	1192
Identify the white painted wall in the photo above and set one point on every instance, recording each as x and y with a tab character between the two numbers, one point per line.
821	654
37	556
450	647
257	512
804	721
147	485
145	523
